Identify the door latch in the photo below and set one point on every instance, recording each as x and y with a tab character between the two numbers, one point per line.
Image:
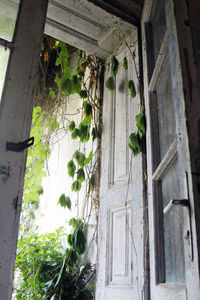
184	203
18	147
169	206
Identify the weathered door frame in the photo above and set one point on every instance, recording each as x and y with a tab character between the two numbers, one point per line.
15	121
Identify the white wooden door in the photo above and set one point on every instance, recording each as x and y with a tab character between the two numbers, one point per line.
120	228
22	53
173	254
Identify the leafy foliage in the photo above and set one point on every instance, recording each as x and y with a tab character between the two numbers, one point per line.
71	126
76	186
135	139
141	122
65	201
134	143
80	158
71	168
131	86
110	84
114	65
35	166
48	272
81	175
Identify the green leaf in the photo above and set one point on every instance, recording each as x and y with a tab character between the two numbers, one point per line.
88	109
71	168
42	49
134	143
60	273
87	120
140	122
72	257
81	175
40	191
65	201
70	239
125	63
66	86
33	196
80	158
76	186
132	89
71	126
83	94
76	223
84	132
52	94
88	159
110	84
76	84
114	65
94	134
75	133
58	80
92	182
80	242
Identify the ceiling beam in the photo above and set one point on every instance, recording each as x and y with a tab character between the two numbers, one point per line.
120	10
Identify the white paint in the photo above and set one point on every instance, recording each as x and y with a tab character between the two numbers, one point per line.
120	230
168	290
85	26
15	120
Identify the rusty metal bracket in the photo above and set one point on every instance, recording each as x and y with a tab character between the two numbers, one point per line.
18	147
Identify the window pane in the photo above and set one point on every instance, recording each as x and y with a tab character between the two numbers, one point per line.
165	109
8	16
158	24
173	228
4	55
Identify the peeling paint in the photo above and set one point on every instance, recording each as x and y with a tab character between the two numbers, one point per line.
5	171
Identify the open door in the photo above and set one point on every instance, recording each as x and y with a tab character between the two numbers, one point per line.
120	228
20	50
173	251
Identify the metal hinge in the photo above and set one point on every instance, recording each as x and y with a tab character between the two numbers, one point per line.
18	147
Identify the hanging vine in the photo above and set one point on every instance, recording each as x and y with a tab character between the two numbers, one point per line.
57	81
135	138
70	277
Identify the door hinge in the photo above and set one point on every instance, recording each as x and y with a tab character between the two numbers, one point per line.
18	147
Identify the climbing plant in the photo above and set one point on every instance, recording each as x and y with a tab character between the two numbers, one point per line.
42	127
84	80
135	138
45	269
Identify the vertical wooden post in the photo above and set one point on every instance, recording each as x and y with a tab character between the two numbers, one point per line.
15	120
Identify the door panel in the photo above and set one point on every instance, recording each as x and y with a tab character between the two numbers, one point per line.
170	218
120	239
119	246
